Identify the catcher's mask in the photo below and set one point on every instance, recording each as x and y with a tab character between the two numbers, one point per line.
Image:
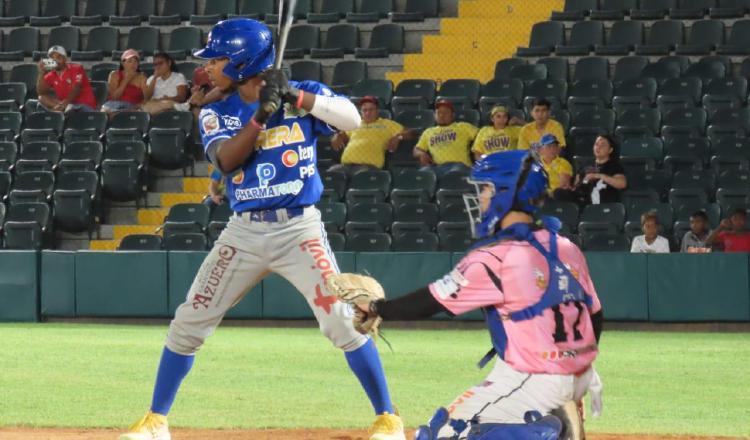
505	180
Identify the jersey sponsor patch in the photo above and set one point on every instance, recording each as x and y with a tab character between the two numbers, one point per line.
238	177
290	158
450	284
210	122
231	122
265	172
282	189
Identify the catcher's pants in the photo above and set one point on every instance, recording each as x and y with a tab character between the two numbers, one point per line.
506	395
247	251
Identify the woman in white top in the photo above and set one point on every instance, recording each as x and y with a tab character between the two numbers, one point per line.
167	88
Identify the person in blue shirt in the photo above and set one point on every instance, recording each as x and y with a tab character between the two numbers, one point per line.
262	138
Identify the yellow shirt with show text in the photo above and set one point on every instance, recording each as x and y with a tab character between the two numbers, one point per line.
449	143
491	140
368	143
530	136
554	170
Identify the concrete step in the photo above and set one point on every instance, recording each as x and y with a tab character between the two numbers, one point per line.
120	215
169	183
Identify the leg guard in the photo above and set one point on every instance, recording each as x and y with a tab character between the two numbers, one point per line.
438	420
535	428
571	420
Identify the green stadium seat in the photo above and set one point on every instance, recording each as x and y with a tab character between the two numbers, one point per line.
454	236
416	10
173	13
584	35
18	12
575	10
613	213
370	11
545	36
368	242
188	241
133	12
426	213
416	242
606	242
379	212
21	42
214	11
8	155
340	39
141	242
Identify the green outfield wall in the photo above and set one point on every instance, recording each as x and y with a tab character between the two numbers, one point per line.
632	287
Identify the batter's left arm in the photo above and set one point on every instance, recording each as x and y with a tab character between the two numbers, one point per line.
335	111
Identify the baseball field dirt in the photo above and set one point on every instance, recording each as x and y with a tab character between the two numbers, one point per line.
274	434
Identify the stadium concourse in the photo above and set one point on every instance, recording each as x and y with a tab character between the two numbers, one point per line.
667	78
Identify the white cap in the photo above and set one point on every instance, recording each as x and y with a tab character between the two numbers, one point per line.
57	49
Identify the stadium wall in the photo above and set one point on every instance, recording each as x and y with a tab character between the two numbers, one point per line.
632	287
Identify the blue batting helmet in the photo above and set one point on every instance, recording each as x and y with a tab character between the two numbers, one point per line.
247	43
502	171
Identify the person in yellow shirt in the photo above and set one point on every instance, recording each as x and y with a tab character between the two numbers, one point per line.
500	136
559	171
532	132
365	147
445	147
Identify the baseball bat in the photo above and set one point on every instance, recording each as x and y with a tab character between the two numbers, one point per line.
285	25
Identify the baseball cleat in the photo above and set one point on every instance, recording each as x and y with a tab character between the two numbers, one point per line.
387	427
151	427
571	420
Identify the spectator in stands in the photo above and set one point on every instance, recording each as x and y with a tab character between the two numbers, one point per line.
127	86
650	242
502	135
559	171
202	93
166	88
216	188
65	87
532	132
601	183
694	240
365	147
445	147
731	235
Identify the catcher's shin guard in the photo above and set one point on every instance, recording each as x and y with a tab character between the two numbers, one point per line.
535	428
571	420
430	431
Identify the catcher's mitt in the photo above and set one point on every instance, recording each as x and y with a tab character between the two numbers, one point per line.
357	290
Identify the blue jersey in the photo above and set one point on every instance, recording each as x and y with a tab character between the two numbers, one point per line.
282	173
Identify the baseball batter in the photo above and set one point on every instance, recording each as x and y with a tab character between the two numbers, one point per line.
269	159
539	302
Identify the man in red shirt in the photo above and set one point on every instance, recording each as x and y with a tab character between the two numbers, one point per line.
731	233
68	81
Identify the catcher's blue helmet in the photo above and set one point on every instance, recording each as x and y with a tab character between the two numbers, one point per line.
247	43
502	171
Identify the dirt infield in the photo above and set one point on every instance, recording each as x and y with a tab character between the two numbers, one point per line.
271	434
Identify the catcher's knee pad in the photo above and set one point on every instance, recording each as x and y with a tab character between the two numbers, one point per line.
439	419
535	428
572	421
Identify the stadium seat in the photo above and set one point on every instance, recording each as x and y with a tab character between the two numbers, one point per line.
337	241
331	11
45	126
706	70
528	72
690	119
733	198
704	180
661	71
12	95
416	10
416	179
704	37
605	242
96	12
613	213
123	179
555	90
380	88
461	88
186	241
583	37
379	212
302	38
8	154
732	147
691	9
401	196
186	217
414	94
687	86
21	42
504	66
640	87
368	242
10	125
372	180
18	12
454	236
65	36
168	148
591	68
214	11
738	42
133	12
44	155
347	73
416	119
557	67
385	39
504	88
544	37
731	86
144	39
32	186
629	68
141	242
622	38
729	9
603	120
416	242
173	13
306	70
426	213
356	195
26	226
183	41
729	163
575	10
84	124
256	9
75	201
613	9
652	10
101	71
340	39
566	212
643	147
54	13
663	37
127	126
333	214
370	11
647	118
81	156
335	180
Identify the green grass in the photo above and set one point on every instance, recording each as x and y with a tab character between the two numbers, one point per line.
78	375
